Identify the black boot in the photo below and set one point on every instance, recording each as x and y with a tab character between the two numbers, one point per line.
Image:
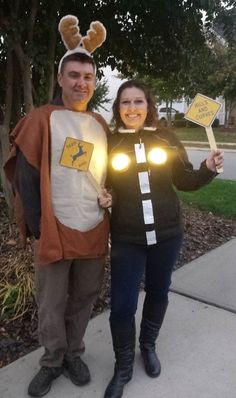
153	316
123	339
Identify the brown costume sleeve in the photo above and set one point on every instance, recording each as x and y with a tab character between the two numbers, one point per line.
31	137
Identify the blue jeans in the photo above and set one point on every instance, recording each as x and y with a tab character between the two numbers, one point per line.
128	264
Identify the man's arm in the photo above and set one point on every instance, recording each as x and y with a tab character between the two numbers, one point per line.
27	182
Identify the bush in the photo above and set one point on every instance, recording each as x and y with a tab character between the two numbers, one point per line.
180	123
17	291
191	124
216	123
179	116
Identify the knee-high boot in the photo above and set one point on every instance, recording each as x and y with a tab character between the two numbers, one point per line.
152	318
123	338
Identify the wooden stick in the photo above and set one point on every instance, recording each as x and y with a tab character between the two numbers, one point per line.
94	182
212	143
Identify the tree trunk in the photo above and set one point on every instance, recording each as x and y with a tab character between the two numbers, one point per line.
51	57
4	134
226	123
231	107
16	104
25	66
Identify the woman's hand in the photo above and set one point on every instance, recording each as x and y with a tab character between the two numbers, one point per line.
215	160
105	199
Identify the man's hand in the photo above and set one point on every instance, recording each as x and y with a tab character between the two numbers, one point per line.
105	199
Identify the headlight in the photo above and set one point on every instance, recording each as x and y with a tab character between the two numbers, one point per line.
120	162
157	156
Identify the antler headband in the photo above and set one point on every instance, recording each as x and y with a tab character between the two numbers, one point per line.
75	42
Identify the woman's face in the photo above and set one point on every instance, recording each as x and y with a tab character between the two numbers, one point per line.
133	108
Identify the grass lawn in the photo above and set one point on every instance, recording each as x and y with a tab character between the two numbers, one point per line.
199	134
217	197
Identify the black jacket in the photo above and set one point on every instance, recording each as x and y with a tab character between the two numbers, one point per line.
127	219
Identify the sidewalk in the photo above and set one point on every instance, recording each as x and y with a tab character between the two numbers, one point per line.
226	146
197	343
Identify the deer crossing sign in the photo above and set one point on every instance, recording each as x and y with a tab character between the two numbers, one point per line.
76	154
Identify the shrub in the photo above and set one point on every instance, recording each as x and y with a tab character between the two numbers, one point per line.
180	123
17	292
191	124
179	116
216	123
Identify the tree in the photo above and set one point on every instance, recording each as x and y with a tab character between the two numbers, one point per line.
100	99
210	69
213	69
19	29
152	37
223	77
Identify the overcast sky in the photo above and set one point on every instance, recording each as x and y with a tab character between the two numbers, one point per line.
114	83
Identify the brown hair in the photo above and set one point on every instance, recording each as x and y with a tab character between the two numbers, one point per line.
151	119
79	57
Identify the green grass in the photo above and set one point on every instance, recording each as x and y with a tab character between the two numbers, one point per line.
217	197
199	134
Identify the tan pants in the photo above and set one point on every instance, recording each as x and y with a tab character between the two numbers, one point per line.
65	293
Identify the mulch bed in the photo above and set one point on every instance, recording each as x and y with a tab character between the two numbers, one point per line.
203	232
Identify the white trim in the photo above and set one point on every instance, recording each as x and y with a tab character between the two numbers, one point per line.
121	130
140	153
148	128
151	237
148	211
144	182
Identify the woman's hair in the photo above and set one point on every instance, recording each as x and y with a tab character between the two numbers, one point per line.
151	119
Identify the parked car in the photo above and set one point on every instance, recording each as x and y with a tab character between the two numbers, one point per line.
167	113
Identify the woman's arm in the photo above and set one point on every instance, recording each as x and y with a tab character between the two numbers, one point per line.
186	178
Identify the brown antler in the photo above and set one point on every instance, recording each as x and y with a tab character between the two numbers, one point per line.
69	30
96	35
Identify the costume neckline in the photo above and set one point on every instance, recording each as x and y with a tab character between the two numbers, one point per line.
132	131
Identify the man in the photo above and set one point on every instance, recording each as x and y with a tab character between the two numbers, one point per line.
59	207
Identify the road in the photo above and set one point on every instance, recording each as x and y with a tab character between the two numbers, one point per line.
196	156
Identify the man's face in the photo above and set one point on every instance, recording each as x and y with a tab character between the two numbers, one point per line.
78	84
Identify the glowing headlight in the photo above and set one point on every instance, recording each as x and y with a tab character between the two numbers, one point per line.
120	162
157	156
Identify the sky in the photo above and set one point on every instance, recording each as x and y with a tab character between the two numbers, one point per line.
113	83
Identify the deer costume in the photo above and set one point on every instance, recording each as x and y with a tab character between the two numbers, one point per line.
57	204
64	233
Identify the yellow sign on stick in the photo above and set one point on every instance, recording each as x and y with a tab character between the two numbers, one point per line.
203	110
76	154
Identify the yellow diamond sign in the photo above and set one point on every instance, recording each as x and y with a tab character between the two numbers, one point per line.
203	110
76	154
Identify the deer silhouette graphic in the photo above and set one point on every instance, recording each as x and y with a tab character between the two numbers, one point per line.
78	154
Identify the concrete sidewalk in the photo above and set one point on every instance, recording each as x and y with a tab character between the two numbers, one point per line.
197	343
210	278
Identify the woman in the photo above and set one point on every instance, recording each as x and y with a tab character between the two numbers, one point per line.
146	223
